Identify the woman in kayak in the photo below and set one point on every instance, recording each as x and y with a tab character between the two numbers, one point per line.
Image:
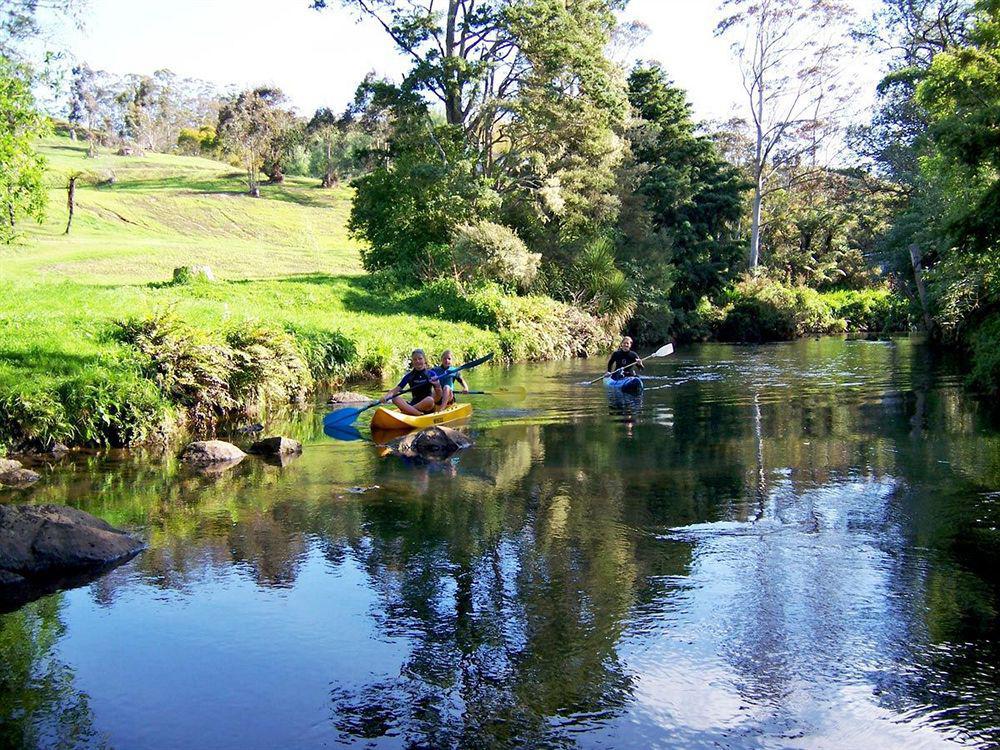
424	389
446	380
623	357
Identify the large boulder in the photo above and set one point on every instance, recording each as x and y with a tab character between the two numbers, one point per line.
9	464
433	444
47	547
276	446
204	452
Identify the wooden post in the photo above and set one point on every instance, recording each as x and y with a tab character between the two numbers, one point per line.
918	277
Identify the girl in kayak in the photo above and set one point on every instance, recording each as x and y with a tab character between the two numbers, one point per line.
424	389
623	357
446	380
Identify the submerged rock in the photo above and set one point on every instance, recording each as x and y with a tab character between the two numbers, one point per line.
276	446
348	397
203	452
434	443
47	547
18	477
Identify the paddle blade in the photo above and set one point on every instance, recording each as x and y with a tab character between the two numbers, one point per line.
343	417
344	433
473	363
663	351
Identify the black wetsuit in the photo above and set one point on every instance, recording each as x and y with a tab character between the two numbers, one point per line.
420	382
621	359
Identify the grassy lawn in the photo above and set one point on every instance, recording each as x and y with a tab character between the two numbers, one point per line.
284	260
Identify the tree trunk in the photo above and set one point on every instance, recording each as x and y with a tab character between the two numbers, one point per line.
329	180
72	134
918	278
453	90
758	199
70	201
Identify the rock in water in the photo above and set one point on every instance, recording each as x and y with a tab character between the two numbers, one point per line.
202	452
19	477
276	446
349	397
47	547
434	443
9	464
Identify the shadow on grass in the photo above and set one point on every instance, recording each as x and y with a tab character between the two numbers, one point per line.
50	362
360	294
227	186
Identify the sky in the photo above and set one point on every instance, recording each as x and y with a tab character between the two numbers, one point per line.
319	57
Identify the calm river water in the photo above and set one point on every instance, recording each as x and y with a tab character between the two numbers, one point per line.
791	546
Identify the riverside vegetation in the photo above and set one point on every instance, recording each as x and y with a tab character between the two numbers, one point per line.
101	347
520	190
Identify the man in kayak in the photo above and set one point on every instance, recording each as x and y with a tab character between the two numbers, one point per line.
424	389
623	357
446	381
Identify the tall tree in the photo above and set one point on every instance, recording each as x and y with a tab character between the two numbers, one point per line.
249	125
22	192
690	202
789	53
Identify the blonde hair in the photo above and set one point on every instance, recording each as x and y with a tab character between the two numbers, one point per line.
445	353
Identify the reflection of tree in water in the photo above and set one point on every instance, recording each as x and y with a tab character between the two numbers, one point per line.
513	604
39	704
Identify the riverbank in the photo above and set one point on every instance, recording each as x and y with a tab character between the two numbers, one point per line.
99	345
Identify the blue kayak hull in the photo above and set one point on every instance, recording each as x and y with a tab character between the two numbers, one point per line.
625	385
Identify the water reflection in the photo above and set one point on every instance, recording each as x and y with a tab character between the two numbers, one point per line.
790	546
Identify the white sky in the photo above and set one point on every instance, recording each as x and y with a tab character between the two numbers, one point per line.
318	58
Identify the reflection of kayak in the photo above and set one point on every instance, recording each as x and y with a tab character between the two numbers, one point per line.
390	419
625	385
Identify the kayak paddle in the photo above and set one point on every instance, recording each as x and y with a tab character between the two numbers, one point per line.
349	414
664	351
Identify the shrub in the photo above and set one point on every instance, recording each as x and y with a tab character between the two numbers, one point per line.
267	368
253	368
115	410
761	309
493	252
870	310
599	286
329	354
31	415
189	371
985	345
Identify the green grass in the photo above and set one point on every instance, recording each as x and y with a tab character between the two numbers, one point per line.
285	261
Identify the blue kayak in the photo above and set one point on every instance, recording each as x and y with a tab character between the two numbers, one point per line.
625	385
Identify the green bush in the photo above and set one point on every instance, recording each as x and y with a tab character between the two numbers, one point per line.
31	415
330	355
268	368
190	371
492	252
115	410
761	309
876	310
985	345
252	368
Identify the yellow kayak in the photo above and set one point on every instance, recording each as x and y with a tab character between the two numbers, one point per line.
391	419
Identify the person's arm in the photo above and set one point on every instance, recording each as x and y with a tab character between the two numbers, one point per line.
396	391
460	379
611	364
638	362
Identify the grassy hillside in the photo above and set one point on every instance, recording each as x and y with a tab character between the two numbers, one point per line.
284	261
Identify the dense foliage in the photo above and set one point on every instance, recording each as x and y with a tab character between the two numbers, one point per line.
22	192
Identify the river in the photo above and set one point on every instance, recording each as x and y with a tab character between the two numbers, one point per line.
788	546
